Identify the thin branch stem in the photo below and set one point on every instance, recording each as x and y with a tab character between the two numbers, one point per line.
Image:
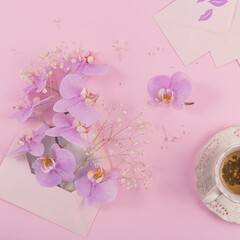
41	119
55	90
65	144
189	103
57	142
101	129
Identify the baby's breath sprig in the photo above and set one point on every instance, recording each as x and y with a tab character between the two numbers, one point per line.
124	141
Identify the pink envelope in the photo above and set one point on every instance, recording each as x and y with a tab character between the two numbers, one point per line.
19	187
194	27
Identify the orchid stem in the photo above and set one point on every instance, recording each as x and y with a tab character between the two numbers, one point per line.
55	90
65	144
65	186
189	103
42	120
57	142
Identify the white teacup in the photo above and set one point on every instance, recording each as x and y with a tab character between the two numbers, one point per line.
220	187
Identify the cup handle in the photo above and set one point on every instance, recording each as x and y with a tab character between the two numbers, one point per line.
212	195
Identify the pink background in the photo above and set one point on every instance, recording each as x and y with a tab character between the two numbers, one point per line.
171	209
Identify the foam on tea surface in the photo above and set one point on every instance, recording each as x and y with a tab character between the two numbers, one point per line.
230	172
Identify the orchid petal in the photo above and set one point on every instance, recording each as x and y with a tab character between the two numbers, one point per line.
50	179
21	149
44	103
66	176
84	113
103	192
23	114
95	69
71	86
40	133
155	103
56	131
36	148
61	105
83	186
29	89
53	150
40	82
62	120
74	137
157	83
78	68
65	162
181	87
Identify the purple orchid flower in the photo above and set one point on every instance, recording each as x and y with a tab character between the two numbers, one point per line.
32	143
84	66
52	170
36	105
76	99
38	84
69	128
169	90
95	185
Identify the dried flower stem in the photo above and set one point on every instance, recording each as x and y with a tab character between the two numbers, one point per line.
189	103
126	138
53	89
41	119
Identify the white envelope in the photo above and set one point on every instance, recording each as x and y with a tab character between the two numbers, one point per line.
227	52
192	38
20	187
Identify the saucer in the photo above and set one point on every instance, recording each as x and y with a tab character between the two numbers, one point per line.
204	172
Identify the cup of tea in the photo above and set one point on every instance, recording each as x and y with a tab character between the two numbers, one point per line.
227	176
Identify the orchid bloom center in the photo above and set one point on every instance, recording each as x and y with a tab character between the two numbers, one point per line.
25	139
46	163
37	99
81	127
165	95
90	59
88	96
96	176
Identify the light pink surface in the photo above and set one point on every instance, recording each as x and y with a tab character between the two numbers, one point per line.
171	209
